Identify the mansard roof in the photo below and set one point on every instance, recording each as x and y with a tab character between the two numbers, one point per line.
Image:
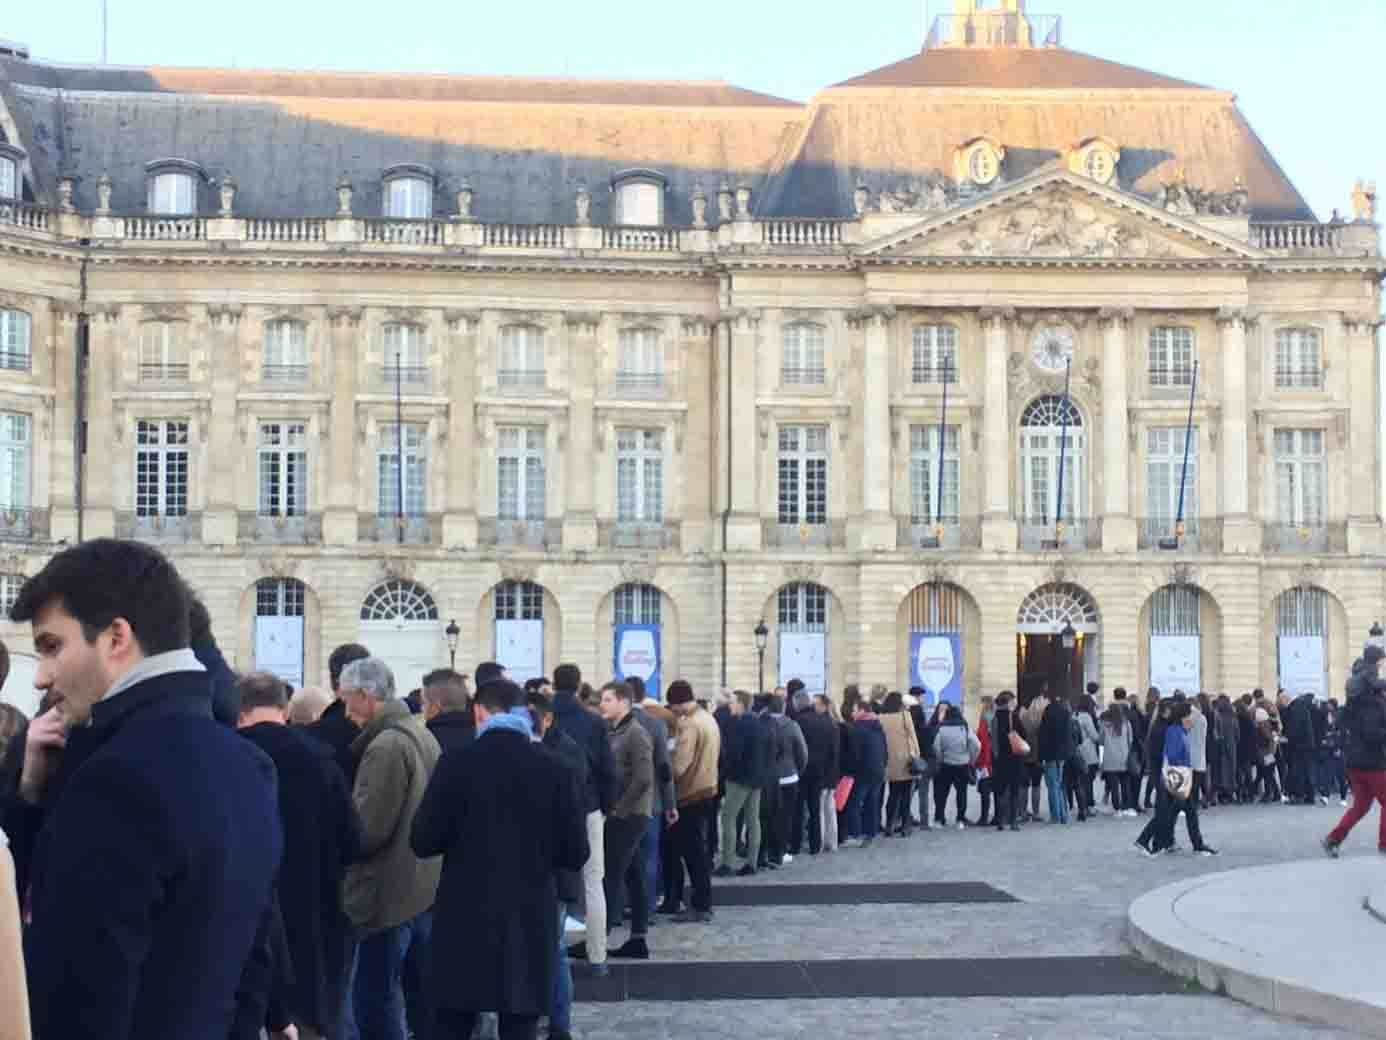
1015	68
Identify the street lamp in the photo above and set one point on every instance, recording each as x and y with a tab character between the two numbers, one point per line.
452	632
1376	635
1069	638
762	637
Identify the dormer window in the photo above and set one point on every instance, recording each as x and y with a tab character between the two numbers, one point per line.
1096	158
408	192
172	187
10	158
979	161
639	198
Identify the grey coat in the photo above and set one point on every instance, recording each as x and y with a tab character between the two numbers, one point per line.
1198	743
790	751
1092	739
956	744
665	799
1116	747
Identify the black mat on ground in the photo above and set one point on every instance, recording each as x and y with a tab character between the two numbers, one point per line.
855	895
928	977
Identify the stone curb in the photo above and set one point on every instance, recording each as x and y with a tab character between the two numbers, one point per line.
1160	937
1376	902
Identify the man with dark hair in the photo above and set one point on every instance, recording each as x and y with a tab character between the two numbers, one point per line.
150	834
322	835
589	731
698	747
487	671
219	674
820	772
447	709
504	815
743	769
633	753
334	728
657	720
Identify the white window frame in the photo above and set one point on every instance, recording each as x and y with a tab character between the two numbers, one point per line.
518	601
163	467
639	477
16	461
803	354
415	470
282	468
636	603
1040	450
172	193
802	607
521	474
406	353
924	498
640	359
1164	465
285	357
1299	358
163	352
10	584
640	203
9	178
1171	352
934	354
408	198
802	463
16	340
1301	477
522	360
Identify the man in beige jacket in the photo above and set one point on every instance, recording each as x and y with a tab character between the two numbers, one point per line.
389	895
696	751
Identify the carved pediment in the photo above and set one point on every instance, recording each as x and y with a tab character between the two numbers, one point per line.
1059	216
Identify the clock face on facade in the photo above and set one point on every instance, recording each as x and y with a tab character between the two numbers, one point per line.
1052	348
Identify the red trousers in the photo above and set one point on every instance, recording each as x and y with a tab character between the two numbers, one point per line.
1368	786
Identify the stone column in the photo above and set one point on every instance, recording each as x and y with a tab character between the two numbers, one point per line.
219	520
459	516
693	439
1241	533
339	518
999	530
875	528
741	360
1118	526
103	359
580	514
62	518
1364	518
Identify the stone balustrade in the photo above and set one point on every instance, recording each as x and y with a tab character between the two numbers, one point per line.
293	229
25	215
1298	237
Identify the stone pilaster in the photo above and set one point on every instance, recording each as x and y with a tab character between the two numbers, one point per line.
339	518
219	525
1118	526
694	441
1364	520
1241	533
999	530
580	513
103	360
875	528
459	517
62	449
741	359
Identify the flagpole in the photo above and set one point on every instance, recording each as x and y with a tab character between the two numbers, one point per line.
942	441
399	443
1184	472
1063	456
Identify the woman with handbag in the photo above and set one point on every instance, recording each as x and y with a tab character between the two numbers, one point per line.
902	763
1008	751
1176	793
957	748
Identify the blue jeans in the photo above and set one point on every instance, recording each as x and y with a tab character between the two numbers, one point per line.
1054	785
561	1014
649	855
378	993
864	809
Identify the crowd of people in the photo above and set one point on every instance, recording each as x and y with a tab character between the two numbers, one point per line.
240	859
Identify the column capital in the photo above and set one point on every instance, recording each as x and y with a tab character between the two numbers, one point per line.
463	321
694	326
743	318
1230	316
583	324
1361	322
997	315
345	317
1116	316
872	313
224	313
107	311
65	310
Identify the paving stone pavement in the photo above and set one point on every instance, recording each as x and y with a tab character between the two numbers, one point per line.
1075	884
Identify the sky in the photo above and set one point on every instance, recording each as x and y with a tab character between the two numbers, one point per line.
1303	72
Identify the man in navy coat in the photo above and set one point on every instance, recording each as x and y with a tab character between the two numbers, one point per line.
154	831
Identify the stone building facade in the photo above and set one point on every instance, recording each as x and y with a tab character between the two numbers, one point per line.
684	357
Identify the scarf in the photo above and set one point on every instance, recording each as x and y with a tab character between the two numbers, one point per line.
517	720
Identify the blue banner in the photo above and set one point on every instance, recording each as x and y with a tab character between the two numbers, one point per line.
936	665
637	653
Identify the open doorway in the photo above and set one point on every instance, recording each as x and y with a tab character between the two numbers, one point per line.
1041	657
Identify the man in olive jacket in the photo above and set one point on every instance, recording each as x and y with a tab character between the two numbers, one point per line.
388	896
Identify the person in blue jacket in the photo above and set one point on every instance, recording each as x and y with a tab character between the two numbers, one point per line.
1167	806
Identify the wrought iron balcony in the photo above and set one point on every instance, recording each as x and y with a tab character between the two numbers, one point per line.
303	529
639	384
1304	538
1041	534
950	533
23	524
827	535
284	375
521	378
521	534
1161	534
411	378
1298	378
160	529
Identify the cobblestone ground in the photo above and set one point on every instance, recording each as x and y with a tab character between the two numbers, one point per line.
1075	884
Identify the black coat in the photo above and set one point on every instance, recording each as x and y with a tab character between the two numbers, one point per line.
746	744
338	732
505	817
820	734
1006	765
590	733
322	835
867	752
226	700
453	729
1056	733
565	749
152	871
1298	719
1363	723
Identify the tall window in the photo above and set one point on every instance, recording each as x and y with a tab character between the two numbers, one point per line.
286	352
1164	466
802	607
405	358
802	358
935	354
10	584
637	605
1298	359
925	505
1171	356
172	194
283	469
409	198
9	178
1041	449
803	475
640	476
415	436
161	467
641	363
163	352
16	353
519	601
1299	477
14	461
521	356
520	474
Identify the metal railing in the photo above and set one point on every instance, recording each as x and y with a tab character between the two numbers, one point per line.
634	239
161	373
1298	379
302	529
22	523
15	360
1201	534
1304	538
383	528
405	375
175	529
25	215
1299	236
1163	379
282	374
530	378
398	231
951	532
164	229
798	376
289	229
1040	534
528	534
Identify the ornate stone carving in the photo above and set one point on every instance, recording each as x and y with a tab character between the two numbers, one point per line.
518	570
803	571
228	196
583	324
1059	224
1091	376
699	205
743	201
935	572
1308	575
227	313
1184	200
278	565
66	186
583	203
1183	574
1364	201
396	568
861	199
345	317
638	570
465	195
462	321
934	194
103	194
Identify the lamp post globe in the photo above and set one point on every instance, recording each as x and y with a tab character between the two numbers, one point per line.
453	633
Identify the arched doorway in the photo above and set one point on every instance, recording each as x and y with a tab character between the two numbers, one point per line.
1309	634
643	634
939	643
399	624
1041	654
801	635
279	628
1181	640
1051	433
518	610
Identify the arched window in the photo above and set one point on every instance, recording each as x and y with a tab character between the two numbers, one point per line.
803	607
1043	428
803	355
397	600
637	604
519	601
408	191
1050	607
286	351
1174	611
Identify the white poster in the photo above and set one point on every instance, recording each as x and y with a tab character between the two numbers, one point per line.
804	656
636	653
1174	665
19	685
279	648
520	649
1301	666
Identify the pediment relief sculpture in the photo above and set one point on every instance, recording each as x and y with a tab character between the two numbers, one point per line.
1183	200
